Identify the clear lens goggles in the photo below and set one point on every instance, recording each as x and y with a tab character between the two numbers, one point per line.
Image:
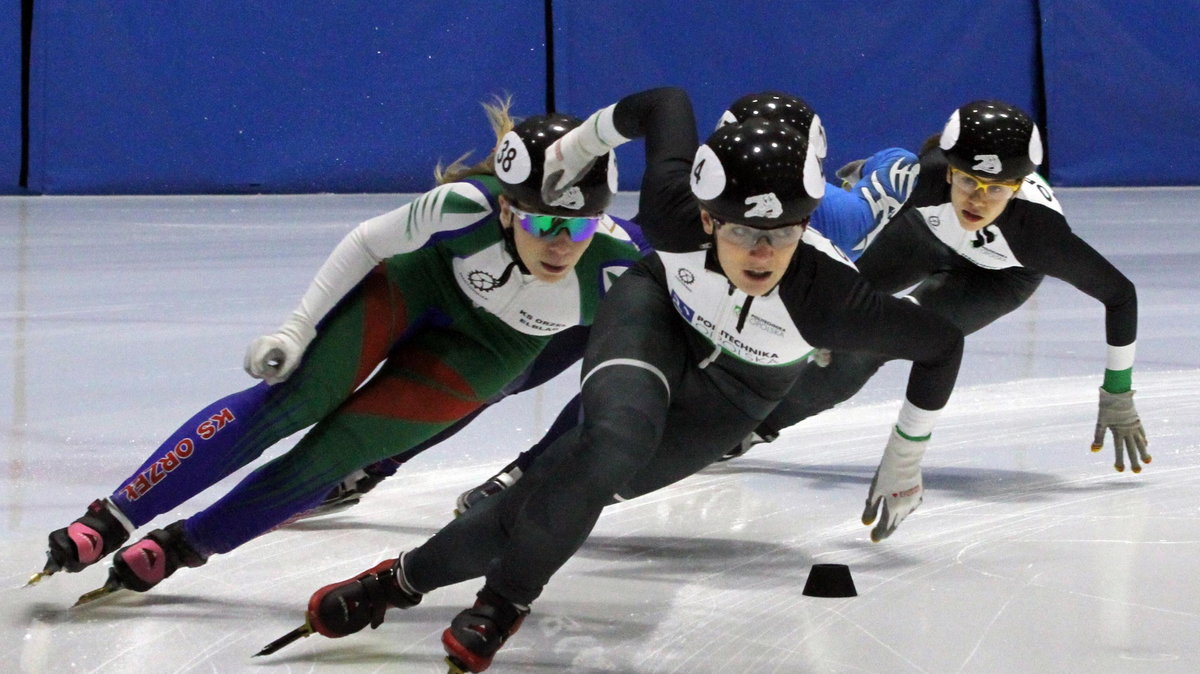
548	226
993	191
748	237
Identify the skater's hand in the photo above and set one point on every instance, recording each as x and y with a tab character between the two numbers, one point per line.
896	485
566	162
851	173
274	357
569	158
1118	414
821	357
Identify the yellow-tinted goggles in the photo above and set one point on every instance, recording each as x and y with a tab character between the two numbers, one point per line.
994	191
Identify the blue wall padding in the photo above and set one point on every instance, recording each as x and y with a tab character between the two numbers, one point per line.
879	74
1123	91
10	97
237	96
257	96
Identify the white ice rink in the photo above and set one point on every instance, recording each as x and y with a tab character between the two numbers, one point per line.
120	317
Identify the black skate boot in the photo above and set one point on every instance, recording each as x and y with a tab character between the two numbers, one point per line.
477	633
346	607
144	564
749	441
494	485
88	539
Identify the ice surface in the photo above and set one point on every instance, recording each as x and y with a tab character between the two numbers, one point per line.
120	317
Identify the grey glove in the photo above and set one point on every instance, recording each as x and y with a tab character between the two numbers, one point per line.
1118	414
897	485
851	173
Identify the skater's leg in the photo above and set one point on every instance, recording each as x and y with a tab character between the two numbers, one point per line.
634	351
234	430
562	351
430	382
469	544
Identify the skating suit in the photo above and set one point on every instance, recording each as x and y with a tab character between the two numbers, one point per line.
670	218
444	314
680	366
972	279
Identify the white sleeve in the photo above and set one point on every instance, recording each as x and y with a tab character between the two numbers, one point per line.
408	228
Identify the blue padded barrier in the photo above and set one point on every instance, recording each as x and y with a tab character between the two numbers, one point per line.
257	96
10	98
879	74
1123	91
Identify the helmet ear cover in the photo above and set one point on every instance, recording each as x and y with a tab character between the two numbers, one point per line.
992	140
762	173
519	160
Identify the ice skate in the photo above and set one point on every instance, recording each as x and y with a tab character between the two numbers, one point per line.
348	492
144	564
477	633
492	486
343	608
100	531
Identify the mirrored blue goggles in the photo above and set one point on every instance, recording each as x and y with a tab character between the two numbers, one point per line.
548	226
748	237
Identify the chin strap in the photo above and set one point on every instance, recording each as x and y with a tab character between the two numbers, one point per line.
510	246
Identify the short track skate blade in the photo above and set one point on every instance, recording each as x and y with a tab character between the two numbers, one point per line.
322	511
295	635
37	577
52	567
456	667
88	597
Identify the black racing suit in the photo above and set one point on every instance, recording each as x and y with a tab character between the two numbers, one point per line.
680	365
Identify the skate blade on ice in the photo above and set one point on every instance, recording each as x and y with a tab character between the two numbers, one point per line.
103	591
50	569
456	667
295	635
37	577
323	510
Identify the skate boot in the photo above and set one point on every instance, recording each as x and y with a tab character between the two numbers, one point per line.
350	491
343	608
99	532
346	607
749	441
494	485
477	633
144	564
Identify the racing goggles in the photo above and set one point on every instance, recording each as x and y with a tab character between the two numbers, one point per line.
991	191
748	237
548	226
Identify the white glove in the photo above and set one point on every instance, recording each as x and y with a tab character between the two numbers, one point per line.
274	357
897	484
1118	414
569	158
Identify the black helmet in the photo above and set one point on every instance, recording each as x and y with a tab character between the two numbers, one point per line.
519	161
992	139
775	105
761	172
